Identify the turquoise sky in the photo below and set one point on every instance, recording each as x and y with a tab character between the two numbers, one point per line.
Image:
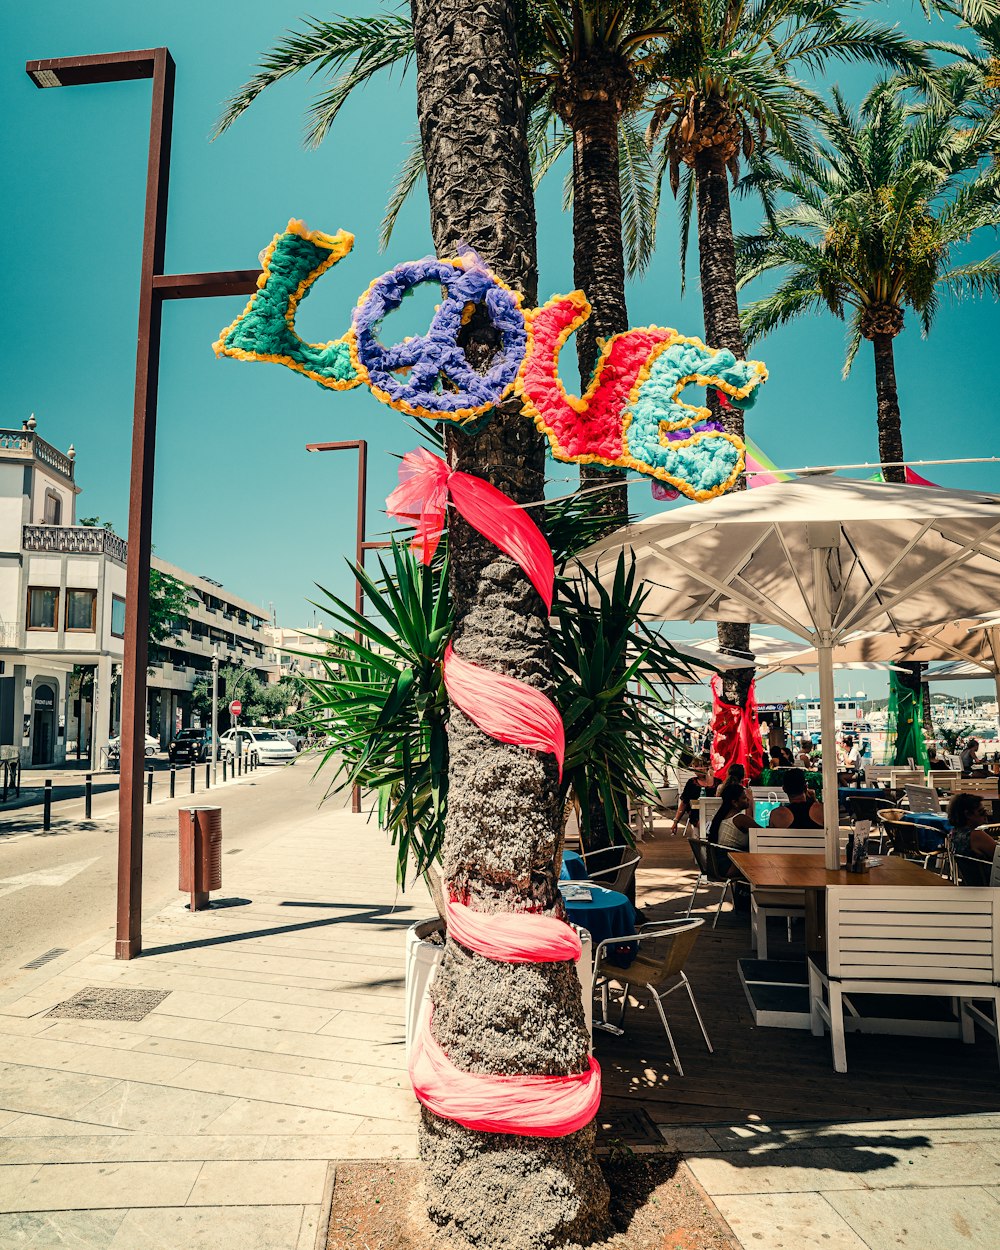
237	497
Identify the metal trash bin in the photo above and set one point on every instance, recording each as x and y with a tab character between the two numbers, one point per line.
199	836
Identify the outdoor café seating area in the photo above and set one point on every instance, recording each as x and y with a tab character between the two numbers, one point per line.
804	993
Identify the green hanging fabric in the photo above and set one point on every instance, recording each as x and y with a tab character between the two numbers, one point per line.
904	725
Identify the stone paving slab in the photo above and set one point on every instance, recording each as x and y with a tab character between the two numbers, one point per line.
211	1122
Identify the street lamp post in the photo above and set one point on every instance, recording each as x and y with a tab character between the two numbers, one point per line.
215	717
154	287
360	544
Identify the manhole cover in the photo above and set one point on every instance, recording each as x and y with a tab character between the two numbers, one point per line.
101	1003
632	1128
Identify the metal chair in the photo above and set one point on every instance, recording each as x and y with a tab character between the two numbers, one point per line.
664	947
971	870
713	867
904	842
619	874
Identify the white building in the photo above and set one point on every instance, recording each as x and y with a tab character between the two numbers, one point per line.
311	639
62	618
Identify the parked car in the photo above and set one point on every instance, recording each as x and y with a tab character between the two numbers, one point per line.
269	746
294	737
152	745
191	746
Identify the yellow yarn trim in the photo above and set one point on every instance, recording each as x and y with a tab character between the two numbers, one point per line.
338	245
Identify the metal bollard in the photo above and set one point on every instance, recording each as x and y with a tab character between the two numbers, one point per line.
88	795
223	768
239	764
208	776
47	805
149	787
192	778
173	779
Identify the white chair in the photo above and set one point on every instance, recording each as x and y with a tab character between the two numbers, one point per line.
900	777
767	794
877	773
941	778
788	904
707	806
922	799
954	762
906	940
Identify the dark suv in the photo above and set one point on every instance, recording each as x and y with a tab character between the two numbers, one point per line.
191	746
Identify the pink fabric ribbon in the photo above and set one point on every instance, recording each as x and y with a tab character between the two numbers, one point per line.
532	1106
425	483
507	710
512	937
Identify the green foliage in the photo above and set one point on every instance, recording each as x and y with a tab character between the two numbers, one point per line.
382	701
168	600
264	703
869	219
383	705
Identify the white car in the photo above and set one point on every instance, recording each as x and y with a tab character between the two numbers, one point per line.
268	745
152	744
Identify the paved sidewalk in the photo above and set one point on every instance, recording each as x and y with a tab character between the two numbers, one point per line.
922	1184
277	1047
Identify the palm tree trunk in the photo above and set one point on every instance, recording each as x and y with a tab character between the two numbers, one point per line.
503	823
890	433
717	266
599	265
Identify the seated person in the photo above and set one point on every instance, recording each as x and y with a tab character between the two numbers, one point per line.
787	759
692	792
933	759
970	759
801	811
966	813
732	822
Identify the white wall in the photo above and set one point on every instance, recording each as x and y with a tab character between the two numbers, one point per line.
12	505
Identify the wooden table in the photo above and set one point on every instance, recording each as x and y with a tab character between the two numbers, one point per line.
810	874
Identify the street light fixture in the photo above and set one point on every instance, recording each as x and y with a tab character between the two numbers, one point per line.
154	287
360	545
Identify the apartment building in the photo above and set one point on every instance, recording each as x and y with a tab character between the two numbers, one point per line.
312	640
62	618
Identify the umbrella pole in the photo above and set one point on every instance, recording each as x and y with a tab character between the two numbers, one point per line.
828	734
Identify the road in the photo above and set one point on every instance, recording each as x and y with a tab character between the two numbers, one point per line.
58	888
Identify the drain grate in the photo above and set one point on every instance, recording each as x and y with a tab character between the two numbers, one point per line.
235	851
161	833
54	953
631	1128
103	1003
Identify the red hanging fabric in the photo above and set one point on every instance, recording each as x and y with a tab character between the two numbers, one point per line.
735	733
531	1106
507	710
512	937
425	482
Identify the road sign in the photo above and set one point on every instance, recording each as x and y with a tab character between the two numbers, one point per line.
235	707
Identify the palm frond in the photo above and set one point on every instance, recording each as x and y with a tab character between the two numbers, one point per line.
636	176
411	172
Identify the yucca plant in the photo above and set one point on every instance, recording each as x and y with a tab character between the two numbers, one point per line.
383	705
382	702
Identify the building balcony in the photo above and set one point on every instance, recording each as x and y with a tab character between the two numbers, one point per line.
26	443
75	539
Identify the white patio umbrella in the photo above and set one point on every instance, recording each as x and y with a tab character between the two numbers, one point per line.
973	643
822	558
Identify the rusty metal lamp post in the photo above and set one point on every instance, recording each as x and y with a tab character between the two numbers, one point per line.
154	287
361	545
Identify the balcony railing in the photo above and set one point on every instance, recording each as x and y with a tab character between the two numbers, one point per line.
76	539
26	443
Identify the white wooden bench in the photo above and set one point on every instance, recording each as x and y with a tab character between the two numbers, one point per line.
906	940
788	904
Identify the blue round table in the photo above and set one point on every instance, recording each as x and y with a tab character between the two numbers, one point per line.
573	868
607	914
936	825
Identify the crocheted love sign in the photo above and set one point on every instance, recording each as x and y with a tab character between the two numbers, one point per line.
631	415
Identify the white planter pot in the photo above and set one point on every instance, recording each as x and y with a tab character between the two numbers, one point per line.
423	957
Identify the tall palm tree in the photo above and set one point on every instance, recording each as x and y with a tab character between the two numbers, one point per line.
502	825
585	66
730	86
867	225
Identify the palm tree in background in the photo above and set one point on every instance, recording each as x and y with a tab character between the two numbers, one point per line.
730	87
585	66
867	226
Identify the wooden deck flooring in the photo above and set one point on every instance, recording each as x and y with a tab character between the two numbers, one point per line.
767	1074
